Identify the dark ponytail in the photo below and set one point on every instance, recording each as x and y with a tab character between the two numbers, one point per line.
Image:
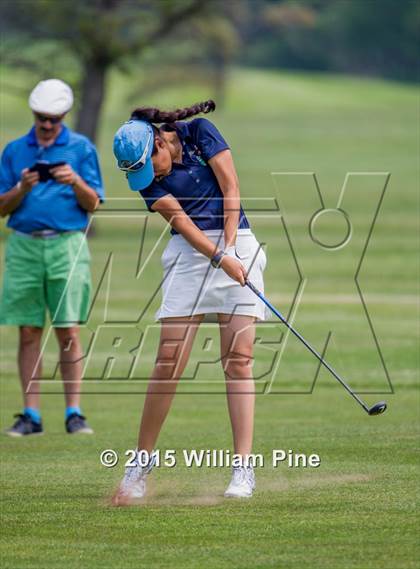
153	115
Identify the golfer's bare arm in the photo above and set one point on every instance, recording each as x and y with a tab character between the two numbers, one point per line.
171	210
224	170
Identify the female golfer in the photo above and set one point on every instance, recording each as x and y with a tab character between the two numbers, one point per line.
184	170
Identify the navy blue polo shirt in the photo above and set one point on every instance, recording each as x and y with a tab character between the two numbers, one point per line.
193	183
50	205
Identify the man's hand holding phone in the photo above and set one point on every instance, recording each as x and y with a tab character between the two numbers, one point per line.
28	179
64	174
60	171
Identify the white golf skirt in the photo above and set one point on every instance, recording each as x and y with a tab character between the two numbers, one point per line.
191	286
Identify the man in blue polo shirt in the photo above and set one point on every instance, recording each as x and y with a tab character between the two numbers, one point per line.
49	181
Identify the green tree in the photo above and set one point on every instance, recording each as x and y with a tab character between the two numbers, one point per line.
198	52
98	35
375	37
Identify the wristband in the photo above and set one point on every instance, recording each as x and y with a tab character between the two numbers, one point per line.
217	259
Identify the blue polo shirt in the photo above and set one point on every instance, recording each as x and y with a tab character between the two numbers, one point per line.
193	183
50	205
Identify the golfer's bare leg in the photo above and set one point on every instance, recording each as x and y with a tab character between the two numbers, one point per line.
30	364
70	363
237	334
176	340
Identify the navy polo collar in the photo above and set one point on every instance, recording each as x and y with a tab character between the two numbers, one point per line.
61	140
182	131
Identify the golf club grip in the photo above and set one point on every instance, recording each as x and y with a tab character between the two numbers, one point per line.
253	288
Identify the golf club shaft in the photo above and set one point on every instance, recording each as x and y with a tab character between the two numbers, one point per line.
310	348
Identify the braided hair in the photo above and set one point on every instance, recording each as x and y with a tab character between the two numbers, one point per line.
157	116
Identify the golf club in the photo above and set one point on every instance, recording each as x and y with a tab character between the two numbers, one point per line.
376	409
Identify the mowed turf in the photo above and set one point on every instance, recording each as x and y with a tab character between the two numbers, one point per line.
358	508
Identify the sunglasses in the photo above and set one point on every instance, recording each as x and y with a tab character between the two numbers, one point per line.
44	118
141	161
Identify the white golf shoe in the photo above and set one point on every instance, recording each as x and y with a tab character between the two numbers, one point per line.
242	483
133	485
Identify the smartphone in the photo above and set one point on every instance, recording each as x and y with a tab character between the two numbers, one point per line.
43	168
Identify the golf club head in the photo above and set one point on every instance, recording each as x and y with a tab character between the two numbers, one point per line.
378	408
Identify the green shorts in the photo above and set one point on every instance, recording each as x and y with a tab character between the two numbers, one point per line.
43	273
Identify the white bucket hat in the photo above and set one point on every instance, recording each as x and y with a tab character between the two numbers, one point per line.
52	97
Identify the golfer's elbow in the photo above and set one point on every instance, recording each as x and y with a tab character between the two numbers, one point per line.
231	198
181	223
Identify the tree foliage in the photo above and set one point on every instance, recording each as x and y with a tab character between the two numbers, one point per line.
98	35
167	41
376	37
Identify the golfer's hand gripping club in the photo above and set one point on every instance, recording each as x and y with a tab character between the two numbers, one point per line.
234	269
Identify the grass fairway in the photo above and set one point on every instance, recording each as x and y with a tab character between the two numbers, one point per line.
358	509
